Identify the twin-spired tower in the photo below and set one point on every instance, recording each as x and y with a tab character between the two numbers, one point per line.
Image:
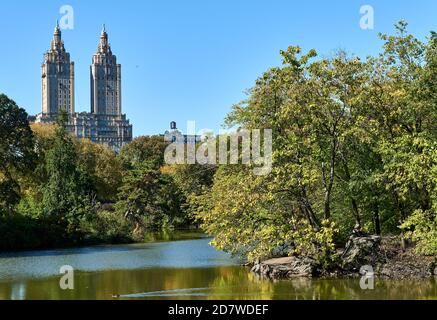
105	124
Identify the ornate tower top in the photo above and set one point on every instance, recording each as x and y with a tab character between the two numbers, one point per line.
57	29
104	46
57	43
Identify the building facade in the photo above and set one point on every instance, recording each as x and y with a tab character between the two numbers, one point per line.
105	124
174	135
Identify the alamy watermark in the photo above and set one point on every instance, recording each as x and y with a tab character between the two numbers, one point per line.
67	280
66	22
367	21
367	281
247	147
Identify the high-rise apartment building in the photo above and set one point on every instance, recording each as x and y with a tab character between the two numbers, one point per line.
105	124
57	78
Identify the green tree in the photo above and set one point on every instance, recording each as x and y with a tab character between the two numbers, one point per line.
103	166
139	198
150	199
144	148
68	195
16	151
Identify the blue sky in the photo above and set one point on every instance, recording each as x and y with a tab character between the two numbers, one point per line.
187	60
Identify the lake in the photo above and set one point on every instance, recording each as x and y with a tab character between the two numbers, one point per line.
177	265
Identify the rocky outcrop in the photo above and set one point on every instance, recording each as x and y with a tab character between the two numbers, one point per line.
361	251
387	256
287	267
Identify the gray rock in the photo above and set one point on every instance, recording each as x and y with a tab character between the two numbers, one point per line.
287	267
361	251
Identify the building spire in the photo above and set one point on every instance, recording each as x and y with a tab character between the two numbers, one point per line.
57	29
57	37
104	46
104	35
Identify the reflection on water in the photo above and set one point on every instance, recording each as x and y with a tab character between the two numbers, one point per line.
173	254
188	269
208	283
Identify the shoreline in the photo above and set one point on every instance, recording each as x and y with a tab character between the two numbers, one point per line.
382	257
96	242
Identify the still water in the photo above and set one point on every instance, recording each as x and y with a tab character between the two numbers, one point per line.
176	266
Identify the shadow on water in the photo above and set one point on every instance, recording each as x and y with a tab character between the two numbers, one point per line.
152	237
70	251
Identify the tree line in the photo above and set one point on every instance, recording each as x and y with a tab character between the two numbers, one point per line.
57	190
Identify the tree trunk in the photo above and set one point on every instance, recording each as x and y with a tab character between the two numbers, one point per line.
312	219
353	200
356	211
329	185
376	219
137	228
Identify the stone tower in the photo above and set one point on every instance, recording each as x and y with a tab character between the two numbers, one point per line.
57	78
105	124
105	80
